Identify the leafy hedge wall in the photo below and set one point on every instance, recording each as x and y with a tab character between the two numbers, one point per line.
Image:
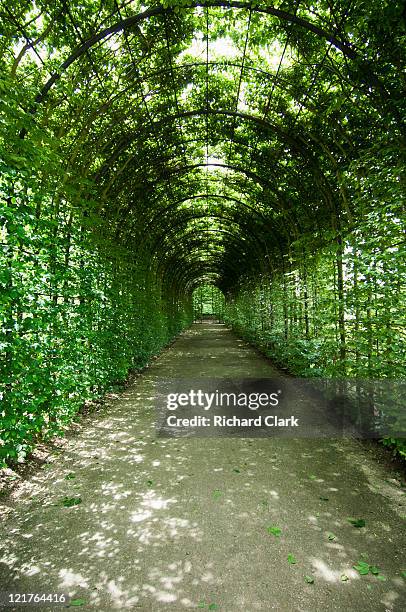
77	310
337	310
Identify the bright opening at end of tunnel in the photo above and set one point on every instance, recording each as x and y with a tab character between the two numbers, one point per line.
202	305
209	301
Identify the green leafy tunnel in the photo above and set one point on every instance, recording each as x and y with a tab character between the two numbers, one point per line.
147	151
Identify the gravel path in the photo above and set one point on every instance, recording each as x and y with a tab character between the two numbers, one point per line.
178	524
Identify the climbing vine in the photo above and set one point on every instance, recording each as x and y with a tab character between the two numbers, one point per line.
147	151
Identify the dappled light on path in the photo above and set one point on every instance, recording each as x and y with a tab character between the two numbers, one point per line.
164	524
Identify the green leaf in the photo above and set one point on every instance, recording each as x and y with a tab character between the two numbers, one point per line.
381	577
213	606
344	578
331	537
217	494
309	579
324	498
150	483
70	476
68	502
374	570
236	470
362	568
77	602
275	531
358	523
291	559
312	476
363	564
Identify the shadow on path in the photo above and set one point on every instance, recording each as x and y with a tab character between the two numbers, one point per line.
178	524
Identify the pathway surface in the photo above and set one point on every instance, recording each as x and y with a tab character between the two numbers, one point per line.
178	524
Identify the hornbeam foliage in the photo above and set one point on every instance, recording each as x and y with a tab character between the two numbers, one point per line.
146	151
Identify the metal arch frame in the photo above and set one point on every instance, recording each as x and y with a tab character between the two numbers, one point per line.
268	126
173	230
172	263
291	19
244	146
346	49
286	138
252	175
172	273
243	220
120	150
288	170
198	196
266	222
174	257
123	24
283	207
184	66
183	279
214	182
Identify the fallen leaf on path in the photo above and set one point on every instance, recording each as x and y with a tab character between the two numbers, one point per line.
358	523
68	502
77	602
273	530
362	568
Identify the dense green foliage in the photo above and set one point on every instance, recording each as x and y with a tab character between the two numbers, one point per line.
306	320
208	300
254	147
77	310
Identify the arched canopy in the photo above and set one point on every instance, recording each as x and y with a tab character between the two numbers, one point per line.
215	132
